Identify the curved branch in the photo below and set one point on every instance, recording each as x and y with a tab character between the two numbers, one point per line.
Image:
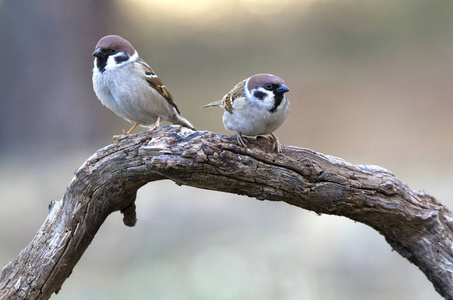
414	223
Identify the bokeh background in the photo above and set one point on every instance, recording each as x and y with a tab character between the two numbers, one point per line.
371	82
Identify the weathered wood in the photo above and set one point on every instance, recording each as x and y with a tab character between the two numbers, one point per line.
414	223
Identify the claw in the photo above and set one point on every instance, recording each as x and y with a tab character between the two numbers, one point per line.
130	131
155	126
275	143
241	139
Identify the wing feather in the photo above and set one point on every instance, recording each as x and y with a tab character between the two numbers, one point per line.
155	82
236	92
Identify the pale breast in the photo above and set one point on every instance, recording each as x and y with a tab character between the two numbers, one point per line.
253	120
132	99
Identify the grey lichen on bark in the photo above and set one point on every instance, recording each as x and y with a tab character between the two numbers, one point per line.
414	223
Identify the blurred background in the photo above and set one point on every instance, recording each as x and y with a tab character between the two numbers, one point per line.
371	82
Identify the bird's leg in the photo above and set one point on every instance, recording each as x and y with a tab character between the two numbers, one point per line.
131	130
275	143
116	137
241	139
155	126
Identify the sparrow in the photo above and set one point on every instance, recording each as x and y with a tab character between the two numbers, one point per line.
128	86
255	106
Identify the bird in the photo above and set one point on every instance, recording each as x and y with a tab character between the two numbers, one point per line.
128	86
255	106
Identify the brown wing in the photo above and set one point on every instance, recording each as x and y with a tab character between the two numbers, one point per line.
236	92
157	84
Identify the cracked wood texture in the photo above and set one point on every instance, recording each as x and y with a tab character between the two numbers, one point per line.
414	223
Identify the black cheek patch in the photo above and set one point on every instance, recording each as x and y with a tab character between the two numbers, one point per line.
259	95
121	58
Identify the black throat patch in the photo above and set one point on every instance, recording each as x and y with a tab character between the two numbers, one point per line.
101	62
278	98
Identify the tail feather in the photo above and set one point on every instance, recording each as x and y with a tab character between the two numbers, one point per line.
215	103
183	122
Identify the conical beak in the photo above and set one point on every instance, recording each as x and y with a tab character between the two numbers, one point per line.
98	53
282	89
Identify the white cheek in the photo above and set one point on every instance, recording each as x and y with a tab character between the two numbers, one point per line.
134	57
111	63
268	99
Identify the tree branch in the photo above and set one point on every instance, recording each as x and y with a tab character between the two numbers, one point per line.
414	223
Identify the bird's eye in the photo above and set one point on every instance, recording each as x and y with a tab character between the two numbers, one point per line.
113	50
268	86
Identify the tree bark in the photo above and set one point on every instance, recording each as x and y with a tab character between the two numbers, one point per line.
414	223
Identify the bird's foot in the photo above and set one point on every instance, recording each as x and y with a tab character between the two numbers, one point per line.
115	138
241	140
155	126
151	129
275	143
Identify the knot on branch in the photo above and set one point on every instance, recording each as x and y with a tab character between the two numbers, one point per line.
129	215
